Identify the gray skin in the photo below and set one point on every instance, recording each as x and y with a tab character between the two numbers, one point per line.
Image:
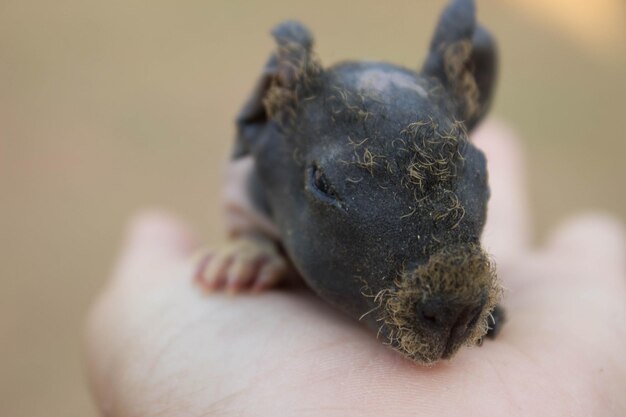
366	171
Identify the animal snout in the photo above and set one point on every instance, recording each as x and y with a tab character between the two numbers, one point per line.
453	318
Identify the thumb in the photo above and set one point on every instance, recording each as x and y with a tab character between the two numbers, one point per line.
155	243
506	234
155	239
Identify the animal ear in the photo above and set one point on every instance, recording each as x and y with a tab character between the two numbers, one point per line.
297	71
291	72
463	58
294	56
252	118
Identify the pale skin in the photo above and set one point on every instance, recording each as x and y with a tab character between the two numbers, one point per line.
157	346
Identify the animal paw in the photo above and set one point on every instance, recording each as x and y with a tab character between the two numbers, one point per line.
496	320
243	263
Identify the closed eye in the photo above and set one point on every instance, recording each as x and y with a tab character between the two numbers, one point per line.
319	186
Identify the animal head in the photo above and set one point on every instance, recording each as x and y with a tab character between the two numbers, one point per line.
378	193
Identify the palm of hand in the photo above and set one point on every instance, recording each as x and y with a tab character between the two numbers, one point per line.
156	346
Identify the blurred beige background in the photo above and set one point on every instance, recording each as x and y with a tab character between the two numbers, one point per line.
108	107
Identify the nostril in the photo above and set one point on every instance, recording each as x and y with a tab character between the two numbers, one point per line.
465	322
437	312
429	317
432	312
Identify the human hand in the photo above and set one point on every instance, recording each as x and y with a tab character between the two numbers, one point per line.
157	346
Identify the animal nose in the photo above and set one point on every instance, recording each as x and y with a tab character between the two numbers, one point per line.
441	314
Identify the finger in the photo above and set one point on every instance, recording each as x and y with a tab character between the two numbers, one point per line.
155	237
506	233
592	241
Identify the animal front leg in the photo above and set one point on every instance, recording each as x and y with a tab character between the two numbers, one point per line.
247	262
